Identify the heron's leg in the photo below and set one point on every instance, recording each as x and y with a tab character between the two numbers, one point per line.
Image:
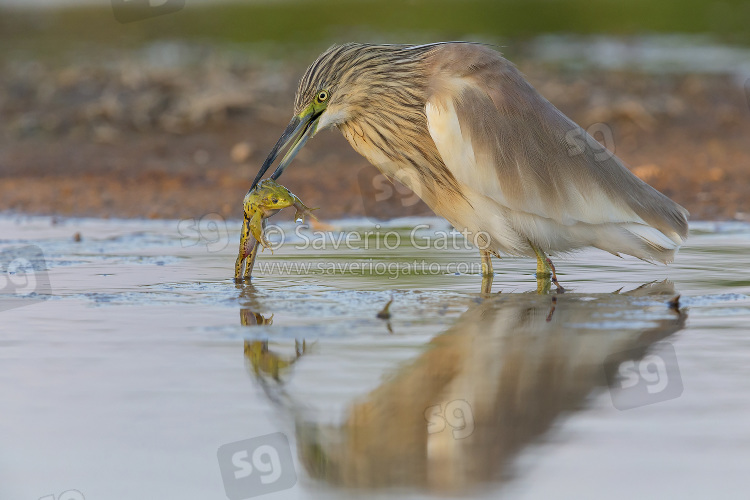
487	272
543	285
486	263
487	283
544	268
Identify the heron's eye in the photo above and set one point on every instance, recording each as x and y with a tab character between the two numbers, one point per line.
322	96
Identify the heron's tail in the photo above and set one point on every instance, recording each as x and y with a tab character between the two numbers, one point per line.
642	241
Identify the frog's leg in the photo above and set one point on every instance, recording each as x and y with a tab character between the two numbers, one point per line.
244	237
301	213
252	254
257	225
302	210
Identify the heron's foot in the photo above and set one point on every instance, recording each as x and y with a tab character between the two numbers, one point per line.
560	288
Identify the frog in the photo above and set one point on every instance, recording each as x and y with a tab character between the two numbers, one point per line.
259	204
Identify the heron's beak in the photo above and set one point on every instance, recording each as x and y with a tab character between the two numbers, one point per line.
296	134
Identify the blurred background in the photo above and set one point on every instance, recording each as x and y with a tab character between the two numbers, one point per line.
166	109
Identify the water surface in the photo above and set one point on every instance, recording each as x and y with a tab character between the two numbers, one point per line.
134	357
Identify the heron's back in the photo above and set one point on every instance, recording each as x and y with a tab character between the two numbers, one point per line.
559	186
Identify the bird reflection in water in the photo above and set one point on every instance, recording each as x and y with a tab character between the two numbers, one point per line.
453	418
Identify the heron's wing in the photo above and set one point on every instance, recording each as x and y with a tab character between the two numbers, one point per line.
499	137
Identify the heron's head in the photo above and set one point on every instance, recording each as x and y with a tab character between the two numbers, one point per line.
345	83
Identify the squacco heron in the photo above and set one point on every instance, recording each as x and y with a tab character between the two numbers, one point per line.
460	126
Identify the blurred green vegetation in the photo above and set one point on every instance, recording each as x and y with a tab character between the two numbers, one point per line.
309	25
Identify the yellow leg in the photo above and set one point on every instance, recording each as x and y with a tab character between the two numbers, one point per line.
487	283
486	263
243	267
250	262
242	256
252	254
545	270
487	272
542	270
543	285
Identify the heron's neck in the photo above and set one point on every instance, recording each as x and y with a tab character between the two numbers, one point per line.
399	144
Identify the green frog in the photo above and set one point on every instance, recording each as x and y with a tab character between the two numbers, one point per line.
259	204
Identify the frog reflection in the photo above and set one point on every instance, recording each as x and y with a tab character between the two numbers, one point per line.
263	361
251	318
266	363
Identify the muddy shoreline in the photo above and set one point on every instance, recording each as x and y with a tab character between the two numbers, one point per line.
128	139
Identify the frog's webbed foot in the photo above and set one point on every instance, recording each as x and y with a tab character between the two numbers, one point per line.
266	244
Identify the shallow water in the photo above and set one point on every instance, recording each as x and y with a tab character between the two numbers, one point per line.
132	367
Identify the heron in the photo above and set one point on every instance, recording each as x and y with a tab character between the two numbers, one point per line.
459	125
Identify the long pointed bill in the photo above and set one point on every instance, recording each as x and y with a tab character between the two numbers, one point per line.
296	134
